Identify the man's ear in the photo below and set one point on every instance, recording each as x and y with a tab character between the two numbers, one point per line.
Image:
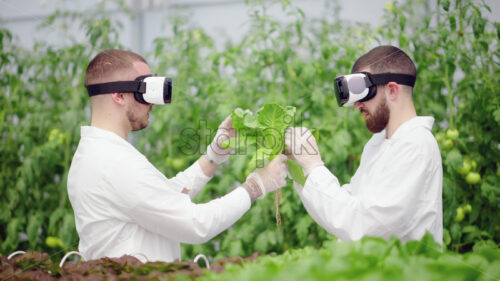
393	91
118	98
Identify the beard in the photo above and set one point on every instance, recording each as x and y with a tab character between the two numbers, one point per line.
377	121
136	122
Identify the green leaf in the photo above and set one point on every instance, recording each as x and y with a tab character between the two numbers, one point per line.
490	192
273	116
236	248
296	172
261	242
261	155
12	239
454	159
478	25
315	133
453	22
342	138
446	237
245	123
455	231
239	142
55	217
496	115
34	223
445	4
250	121
273	140
264	132
302	227
67	230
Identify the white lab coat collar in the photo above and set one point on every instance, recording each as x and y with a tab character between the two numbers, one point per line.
95	132
91	131
403	129
410	125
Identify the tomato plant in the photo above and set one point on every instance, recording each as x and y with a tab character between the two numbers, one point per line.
43	105
44	102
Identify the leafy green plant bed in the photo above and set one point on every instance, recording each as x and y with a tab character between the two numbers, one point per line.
39	266
368	259
371	259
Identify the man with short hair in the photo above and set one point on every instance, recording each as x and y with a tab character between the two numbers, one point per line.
398	185
122	203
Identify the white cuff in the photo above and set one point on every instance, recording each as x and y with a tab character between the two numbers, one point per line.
256	176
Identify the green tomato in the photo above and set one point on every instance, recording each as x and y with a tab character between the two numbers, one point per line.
452	134
460	214
448	144
58	137
54	134
439	136
54	242
168	162
178	163
473	178
473	164
465	168
467	208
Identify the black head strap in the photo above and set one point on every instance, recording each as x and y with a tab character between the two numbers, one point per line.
384	78
116	87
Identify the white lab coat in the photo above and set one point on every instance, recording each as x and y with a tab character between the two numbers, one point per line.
397	189
124	205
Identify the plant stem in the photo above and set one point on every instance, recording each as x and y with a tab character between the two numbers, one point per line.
450	97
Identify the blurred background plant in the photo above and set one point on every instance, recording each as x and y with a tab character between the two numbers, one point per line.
44	103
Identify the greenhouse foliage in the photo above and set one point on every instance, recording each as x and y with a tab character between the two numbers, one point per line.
44	102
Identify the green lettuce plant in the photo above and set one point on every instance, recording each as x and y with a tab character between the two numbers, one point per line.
264	134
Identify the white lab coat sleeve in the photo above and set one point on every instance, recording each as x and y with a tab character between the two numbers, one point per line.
155	206
387	209
192	179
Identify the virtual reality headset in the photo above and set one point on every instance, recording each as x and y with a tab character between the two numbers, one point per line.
362	86
147	89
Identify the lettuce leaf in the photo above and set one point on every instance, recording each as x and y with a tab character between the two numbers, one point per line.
296	172
264	133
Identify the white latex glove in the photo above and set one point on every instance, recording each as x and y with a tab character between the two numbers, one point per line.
301	146
215	152
270	177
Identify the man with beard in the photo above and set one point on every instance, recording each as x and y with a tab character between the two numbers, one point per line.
397	188
122	203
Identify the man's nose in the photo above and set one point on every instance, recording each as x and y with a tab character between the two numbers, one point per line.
358	105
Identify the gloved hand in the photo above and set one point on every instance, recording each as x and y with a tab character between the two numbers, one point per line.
267	179
301	146
215	152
